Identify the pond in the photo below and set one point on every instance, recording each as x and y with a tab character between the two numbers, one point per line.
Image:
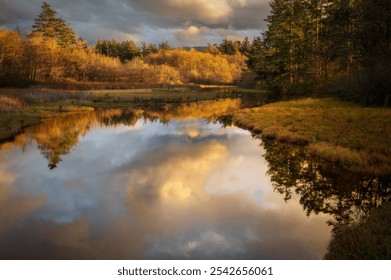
175	183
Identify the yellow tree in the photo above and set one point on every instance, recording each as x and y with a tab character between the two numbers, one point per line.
11	56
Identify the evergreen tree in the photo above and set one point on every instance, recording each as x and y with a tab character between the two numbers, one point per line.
165	46
245	46
53	27
147	49
373	37
125	50
128	50
229	47
285	42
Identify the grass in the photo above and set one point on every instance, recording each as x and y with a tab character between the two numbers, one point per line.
120	98
21	108
369	239
355	137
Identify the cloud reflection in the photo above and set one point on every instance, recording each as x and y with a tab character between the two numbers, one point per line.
186	190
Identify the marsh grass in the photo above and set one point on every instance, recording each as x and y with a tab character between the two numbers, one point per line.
368	239
32	96
20	108
10	104
358	138
157	95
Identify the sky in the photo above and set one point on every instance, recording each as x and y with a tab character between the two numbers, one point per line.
181	22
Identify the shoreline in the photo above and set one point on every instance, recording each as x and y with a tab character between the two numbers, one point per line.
357	138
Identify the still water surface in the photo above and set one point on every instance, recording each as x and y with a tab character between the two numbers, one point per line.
115	185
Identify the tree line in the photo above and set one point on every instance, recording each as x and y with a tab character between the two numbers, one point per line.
337	47
52	52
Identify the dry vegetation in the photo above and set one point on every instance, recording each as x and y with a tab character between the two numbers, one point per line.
40	59
357	138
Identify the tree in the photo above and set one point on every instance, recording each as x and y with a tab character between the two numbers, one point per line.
147	49
284	39
164	46
11	57
128	50
125	50
313	42
212	49
245	46
54	27
374	42
229	47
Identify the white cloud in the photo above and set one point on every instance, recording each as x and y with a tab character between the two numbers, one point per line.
193	34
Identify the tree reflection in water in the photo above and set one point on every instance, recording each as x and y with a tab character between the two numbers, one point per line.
56	137
319	186
324	187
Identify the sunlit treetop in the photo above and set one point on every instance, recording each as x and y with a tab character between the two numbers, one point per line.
48	25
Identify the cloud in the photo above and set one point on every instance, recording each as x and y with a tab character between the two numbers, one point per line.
193	34
231	35
243	14
14	206
206	11
146	20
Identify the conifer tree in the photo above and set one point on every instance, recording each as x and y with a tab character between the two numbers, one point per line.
49	25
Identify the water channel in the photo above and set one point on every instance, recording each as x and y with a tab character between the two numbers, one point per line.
175	183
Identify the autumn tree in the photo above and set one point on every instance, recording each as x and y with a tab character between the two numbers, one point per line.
212	49
201	67
11	57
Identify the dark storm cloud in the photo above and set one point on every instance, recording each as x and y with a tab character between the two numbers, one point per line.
180	21
251	16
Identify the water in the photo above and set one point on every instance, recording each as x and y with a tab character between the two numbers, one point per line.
156	185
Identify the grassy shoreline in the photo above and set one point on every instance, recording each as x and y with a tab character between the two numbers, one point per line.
354	137
21	108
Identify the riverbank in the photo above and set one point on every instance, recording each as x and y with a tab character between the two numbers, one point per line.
20	108
353	137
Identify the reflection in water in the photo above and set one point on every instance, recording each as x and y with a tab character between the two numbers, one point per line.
56	137
176	182
324	187
131	187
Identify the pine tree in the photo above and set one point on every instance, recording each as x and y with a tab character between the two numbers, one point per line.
48	25
229	47
147	49
245	46
164	46
284	39
373	38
